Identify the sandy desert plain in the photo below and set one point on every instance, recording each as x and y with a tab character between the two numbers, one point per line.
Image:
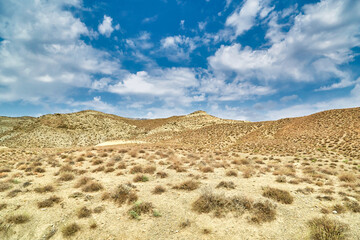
91	175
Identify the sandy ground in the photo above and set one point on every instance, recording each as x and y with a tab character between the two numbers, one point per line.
119	142
174	205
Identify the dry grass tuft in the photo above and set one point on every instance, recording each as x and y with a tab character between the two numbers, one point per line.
347	177
92	187
263	212
18	218
66	177
49	202
189	185
227	185
231	173
162	174
278	195
124	194
220	204
44	189
327	229
159	190
4	186
136	169
140	178
140	208
84	212
70	229
150	169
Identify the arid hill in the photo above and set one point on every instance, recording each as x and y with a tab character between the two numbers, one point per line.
184	177
335	131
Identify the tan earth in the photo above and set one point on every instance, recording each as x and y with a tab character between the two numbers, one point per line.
184	177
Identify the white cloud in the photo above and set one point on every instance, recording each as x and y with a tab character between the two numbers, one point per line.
150	19
219	90
177	48
95	104
106	28
242	19
202	25
42	56
289	98
319	42
171	85
182	24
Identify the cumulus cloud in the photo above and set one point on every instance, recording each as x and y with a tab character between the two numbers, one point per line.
177	48
318	43
42	54
106	28
243	18
171	84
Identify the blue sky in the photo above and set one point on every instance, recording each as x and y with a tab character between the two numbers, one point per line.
240	59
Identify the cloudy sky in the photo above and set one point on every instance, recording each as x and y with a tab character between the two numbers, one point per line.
239	59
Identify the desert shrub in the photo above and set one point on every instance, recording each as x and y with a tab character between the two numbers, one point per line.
4	186
39	170
220	204
97	162
99	209
83	212
65	168
227	185
99	169
207	169
14	193
80	159
18	218
47	188
49	202
136	169
189	185
159	190
353	206
110	169
231	173
150	169
92	187
263	212
140	178
82	181
278	195
140	208
347	177
3	206
162	174
70	229
121	166
327	229
248	172
66	177
124	194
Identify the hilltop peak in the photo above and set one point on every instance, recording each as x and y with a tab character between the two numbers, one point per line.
199	112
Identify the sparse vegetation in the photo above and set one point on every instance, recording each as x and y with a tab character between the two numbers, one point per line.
159	190
278	195
70	229
327	229
18	218
189	185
